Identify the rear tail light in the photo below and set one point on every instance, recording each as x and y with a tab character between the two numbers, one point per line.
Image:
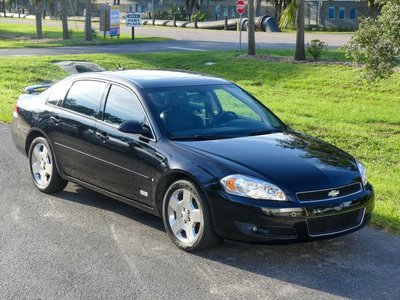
15	112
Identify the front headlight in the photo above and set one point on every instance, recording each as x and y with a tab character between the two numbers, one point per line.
252	187
363	172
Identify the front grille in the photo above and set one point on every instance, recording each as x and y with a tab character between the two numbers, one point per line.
335	224
325	194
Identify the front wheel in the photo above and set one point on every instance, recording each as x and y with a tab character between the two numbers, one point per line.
187	218
43	170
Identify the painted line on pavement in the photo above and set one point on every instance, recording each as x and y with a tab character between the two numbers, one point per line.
188	49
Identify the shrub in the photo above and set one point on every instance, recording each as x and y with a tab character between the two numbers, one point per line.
94	33
316	48
202	16
377	42
161	14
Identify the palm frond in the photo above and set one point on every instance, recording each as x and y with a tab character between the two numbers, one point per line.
288	16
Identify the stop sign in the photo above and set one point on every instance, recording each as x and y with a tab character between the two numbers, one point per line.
240	7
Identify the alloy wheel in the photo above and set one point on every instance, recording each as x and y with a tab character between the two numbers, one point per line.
185	216
41	165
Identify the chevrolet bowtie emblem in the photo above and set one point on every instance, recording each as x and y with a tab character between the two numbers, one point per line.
333	193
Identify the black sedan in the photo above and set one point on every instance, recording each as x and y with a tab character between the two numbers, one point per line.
198	151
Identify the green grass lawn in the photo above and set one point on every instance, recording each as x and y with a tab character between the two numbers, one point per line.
328	101
23	35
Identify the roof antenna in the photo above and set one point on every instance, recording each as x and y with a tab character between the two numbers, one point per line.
120	68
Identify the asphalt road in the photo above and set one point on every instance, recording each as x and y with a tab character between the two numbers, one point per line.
185	39
80	244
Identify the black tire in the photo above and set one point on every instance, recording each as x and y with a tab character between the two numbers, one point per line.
206	236
48	183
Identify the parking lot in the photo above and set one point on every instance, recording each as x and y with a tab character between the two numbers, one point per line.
80	244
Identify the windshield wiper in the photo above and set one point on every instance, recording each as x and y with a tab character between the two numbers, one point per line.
264	131
199	137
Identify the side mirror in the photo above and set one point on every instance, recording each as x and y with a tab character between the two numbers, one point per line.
135	127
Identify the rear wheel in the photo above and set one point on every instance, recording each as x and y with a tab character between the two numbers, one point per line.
43	170
187	217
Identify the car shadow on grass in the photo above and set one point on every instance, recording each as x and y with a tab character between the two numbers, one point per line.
365	264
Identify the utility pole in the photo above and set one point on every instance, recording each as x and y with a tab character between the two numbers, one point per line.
250	29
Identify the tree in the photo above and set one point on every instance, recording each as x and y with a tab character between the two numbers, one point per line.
190	5
300	53
88	21
64	19
52	4
251	50
377	42
4	8
293	17
288	17
373	7
38	16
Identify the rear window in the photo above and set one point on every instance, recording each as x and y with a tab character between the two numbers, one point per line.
58	92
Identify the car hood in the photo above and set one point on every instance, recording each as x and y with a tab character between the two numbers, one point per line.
293	161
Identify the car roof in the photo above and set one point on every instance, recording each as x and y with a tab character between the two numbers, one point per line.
159	78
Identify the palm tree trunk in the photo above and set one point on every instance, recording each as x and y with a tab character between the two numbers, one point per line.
191	6
64	19
300	53
38	16
88	22
251	50
52	8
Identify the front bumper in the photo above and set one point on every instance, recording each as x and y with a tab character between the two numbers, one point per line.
249	220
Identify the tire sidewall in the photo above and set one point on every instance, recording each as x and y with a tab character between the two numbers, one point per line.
204	208
31	148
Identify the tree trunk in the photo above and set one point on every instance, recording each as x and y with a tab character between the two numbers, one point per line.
38	16
88	22
251	50
4	8
52	8
64	20
191	6
300	53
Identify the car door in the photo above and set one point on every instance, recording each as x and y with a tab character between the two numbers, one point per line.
125	160
71	128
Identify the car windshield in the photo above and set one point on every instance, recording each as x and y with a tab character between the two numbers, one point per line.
211	112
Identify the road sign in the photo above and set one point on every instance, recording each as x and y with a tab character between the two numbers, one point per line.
132	19
114	20
240	7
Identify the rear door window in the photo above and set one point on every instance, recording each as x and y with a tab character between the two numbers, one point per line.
84	97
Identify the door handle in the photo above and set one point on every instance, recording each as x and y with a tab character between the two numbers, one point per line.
55	119
102	136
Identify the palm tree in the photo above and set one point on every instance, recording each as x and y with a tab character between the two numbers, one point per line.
88	22
190	5
251	50
288	17
64	19
278	6
38	16
300	53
